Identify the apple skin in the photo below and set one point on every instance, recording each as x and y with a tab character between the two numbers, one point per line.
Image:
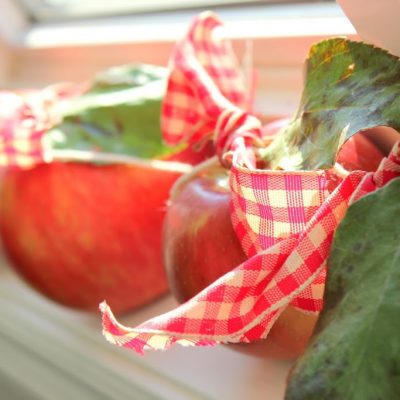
384	137
200	245
198	232
359	152
82	233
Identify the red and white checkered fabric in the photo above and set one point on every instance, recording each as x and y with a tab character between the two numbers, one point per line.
24	118
284	220
205	95
243	304
268	206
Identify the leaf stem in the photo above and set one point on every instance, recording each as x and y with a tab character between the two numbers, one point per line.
112	158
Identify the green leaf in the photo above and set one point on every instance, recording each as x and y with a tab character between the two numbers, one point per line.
120	113
355	351
349	86
126	77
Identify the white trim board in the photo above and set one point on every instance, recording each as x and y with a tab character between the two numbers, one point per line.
263	21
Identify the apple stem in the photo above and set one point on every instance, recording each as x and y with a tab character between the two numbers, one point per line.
213	161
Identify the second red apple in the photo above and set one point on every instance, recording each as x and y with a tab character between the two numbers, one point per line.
200	244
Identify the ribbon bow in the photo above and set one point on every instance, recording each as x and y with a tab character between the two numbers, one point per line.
25	117
206	96
284	220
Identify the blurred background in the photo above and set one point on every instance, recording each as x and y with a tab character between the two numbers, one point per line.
47	41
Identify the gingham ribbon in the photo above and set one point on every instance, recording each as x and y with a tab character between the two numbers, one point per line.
242	305
24	118
284	220
206	95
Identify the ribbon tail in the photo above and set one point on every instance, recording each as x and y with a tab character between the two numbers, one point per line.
234	309
138	340
243	304
224	312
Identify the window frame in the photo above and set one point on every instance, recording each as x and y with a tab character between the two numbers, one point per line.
44	11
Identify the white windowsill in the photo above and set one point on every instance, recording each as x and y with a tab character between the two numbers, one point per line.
50	352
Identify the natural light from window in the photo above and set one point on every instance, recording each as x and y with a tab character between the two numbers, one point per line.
48	10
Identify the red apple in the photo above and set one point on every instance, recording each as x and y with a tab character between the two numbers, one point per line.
384	137
200	244
360	153
83	233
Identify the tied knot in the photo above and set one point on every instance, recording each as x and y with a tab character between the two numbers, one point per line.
236	133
